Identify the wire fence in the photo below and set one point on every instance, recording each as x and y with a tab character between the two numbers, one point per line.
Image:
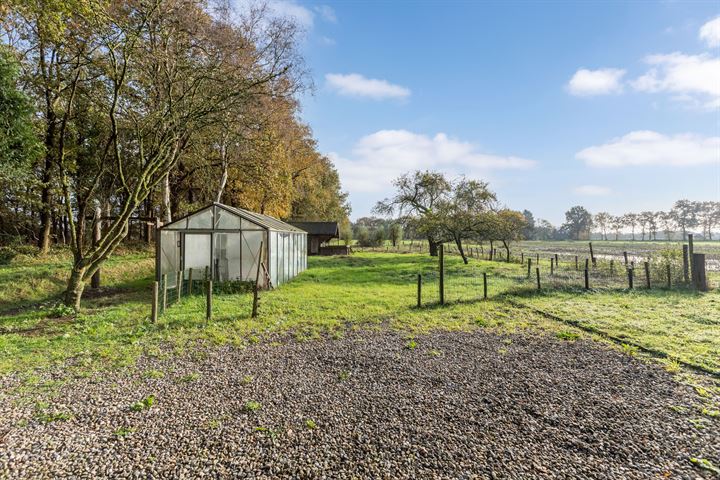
466	284
469	282
666	269
173	287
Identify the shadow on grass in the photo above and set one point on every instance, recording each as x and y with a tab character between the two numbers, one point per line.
115	295
436	305
532	292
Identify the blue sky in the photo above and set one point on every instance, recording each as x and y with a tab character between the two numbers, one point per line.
610	105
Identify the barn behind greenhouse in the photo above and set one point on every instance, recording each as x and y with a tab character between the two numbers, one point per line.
227	241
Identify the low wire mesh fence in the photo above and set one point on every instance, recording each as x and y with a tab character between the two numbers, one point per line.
175	286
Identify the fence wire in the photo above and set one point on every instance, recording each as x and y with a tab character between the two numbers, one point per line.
173	287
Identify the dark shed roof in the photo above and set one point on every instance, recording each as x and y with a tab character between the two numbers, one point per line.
318	228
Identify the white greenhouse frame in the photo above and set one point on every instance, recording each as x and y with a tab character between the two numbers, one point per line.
226	241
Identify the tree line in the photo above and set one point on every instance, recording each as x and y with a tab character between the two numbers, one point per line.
685	217
125	109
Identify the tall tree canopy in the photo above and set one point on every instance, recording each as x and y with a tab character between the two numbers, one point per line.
150	107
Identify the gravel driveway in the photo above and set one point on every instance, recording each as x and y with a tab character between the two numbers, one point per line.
369	405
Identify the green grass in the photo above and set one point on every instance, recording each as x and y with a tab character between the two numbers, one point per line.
365	290
683	324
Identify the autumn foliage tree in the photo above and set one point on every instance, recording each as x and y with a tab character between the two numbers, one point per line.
147	107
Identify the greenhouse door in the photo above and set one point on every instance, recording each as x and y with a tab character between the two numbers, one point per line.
197	253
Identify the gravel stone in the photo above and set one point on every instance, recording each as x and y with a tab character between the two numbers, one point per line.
458	405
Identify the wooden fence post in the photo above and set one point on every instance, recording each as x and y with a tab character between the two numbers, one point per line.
190	280
592	254
178	285
669	276
156	288
256	287
529	267
698	272
441	259
630	278
576	262
537	259
419	291
537	274
647	275
552	266
612	266
691	250
485	285
522	258
626	259
557	261
208	302
587	279
587	264
164	293
686	267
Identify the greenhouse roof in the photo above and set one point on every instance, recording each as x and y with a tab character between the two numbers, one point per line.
260	219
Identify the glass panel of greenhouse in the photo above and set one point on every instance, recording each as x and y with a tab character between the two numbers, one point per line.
230	244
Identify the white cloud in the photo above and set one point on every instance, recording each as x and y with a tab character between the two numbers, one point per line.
691	78
648	148
710	33
327	41
326	12
592	190
379	158
354	84
596	82
291	9
303	16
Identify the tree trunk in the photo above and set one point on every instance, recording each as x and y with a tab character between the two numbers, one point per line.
45	204
492	250
166	200
224	177
433	247
75	287
458	242
507	249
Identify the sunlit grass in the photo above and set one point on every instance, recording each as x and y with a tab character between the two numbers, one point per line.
365	290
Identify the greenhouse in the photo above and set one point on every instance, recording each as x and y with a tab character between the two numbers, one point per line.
230	244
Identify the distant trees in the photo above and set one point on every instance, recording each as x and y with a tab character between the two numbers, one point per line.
578	222
346	232
603	220
396	234
685	215
529	229
631	220
508	227
709	217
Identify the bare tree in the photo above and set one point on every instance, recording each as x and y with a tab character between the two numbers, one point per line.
602	220
631	220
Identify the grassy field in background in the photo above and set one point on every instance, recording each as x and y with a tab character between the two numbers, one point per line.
365	290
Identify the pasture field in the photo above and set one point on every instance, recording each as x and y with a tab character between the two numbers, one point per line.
364	290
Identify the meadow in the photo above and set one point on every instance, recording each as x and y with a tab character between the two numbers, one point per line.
367	290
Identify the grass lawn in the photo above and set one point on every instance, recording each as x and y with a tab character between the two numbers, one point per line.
365	290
